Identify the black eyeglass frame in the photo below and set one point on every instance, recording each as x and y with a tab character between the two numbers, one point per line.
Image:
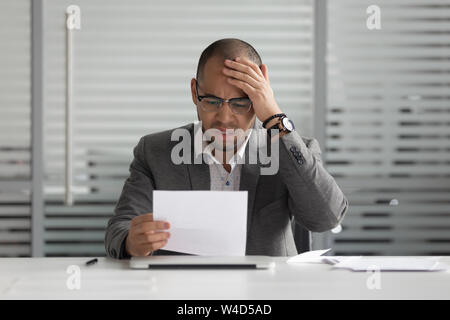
200	98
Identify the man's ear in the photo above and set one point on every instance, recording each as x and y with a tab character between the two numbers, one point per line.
193	93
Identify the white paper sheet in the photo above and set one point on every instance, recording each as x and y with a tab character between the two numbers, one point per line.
210	223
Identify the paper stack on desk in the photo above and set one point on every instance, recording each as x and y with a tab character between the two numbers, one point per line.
380	263
204	222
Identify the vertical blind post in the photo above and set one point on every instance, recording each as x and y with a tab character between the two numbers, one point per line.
322	240
37	154
72	22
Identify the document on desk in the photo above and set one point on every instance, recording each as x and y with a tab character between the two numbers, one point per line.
380	263
399	263
209	223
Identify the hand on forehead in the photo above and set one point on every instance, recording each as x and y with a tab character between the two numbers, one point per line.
213	80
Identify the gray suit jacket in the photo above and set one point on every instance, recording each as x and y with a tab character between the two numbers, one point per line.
301	191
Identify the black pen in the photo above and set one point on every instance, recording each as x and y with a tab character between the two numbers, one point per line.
91	262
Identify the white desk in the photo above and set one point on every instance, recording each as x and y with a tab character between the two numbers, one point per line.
45	278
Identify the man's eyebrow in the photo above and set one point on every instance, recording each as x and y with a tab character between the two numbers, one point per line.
246	97
213	96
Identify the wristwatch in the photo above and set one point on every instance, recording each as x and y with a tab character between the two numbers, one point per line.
284	125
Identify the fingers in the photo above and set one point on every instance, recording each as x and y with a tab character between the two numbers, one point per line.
152	226
244	68
241	76
143	236
251	64
242	85
144	250
146	219
142	218
146	238
157	245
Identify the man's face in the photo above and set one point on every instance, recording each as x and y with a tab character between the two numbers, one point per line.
214	82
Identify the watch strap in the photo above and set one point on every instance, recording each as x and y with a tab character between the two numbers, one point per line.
277	115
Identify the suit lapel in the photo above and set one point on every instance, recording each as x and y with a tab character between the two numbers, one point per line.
250	176
249	181
199	176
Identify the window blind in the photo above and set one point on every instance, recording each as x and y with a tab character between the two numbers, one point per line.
133	62
15	117
388	125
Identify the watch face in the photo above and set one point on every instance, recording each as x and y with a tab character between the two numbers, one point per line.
288	124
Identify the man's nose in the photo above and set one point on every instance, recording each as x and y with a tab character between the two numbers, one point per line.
225	114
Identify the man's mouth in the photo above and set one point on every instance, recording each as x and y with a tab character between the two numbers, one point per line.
226	136
224	130
227	133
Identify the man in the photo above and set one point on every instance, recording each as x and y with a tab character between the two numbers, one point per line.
232	94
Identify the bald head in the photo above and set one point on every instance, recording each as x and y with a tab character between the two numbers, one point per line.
227	49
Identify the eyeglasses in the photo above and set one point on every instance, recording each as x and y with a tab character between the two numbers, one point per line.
213	103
